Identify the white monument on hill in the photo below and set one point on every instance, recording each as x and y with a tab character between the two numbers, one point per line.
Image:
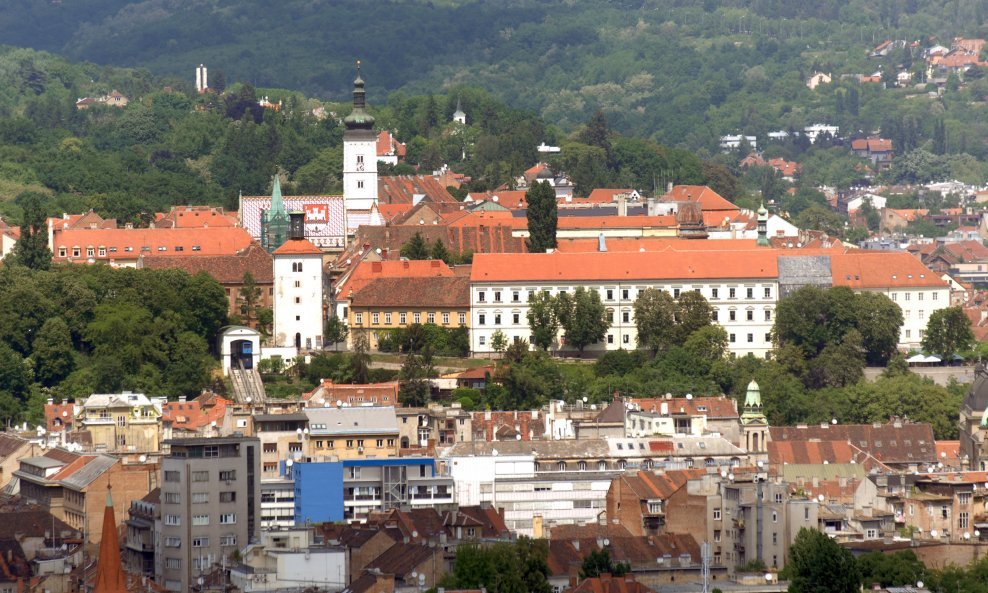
202	80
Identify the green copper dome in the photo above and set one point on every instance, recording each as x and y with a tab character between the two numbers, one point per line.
359	119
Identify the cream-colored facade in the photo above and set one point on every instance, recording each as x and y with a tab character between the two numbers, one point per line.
374	322
125	422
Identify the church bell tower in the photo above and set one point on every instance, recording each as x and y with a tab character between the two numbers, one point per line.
359	153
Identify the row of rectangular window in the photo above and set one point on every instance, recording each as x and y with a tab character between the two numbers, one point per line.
200	476
625	317
919	296
199	520
626	294
199	497
91	251
403	319
199	542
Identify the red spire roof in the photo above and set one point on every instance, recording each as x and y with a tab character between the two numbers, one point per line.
109	571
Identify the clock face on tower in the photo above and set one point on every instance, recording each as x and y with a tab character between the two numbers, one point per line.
360	166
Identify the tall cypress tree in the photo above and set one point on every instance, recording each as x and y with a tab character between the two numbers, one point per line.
542	217
31	249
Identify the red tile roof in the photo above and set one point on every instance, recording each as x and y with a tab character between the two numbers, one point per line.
368	271
709	199
894	442
786	168
328	393
194	414
711	407
654	485
401	189
540	267
194	217
387	145
881	270
606	583
297	247
64	413
510	199
131	243
508	425
603	196
432	292
225	269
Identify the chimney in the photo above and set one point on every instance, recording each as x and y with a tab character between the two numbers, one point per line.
376	267
601	243
650	208
622	204
669	188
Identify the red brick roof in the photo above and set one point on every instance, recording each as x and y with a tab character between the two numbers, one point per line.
225	269
433	292
872	144
786	168
566	555
649	485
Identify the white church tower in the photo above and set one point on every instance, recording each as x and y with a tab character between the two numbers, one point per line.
298	287
359	154
202	80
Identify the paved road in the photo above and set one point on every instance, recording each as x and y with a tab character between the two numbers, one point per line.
942	375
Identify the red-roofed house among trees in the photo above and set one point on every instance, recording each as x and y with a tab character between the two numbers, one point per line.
389	150
878	150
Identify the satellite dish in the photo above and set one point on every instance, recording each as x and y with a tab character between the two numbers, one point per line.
723	473
65	413
689	396
584	399
213	424
933	533
493	452
819	497
833	421
977	533
289	463
943	454
768	577
967	535
338	403
919	584
298	431
142	458
517	437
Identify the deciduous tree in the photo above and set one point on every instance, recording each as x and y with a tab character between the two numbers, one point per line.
817	564
31	249
655	319
542	319
948	332
585	319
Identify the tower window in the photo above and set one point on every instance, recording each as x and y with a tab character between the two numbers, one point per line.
360	158
297	266
360	185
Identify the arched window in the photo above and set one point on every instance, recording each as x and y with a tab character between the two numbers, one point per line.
561	466
583	466
601	465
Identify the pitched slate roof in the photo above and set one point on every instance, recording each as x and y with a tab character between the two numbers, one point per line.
432	292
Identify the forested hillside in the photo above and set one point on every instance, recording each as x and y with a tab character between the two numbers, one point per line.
679	72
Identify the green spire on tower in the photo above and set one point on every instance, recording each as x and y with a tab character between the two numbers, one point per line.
275	221
752	412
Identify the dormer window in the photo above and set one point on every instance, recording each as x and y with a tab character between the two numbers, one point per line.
162	248
90	252
196	248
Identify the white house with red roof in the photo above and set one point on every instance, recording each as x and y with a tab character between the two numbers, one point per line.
298	290
8	238
389	149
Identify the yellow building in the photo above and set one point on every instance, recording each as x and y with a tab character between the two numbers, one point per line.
124	422
361	432
392	303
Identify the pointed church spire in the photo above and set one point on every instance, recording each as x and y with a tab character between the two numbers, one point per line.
277	203
109	571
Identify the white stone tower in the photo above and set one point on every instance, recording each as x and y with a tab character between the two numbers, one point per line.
459	116
359	154
202	80
298	289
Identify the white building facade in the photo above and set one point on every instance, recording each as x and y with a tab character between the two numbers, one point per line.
298	290
743	298
359	154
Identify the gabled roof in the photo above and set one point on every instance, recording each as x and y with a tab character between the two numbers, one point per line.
11	444
131	243
195	217
863	269
605	196
711	407
402	189
401	558
606	583
385	394
225	269
366	272
709	199
648	485
608	266
893	443
388	145
437	292
190	415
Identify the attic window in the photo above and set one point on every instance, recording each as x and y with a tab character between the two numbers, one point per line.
179	248
128	248
162	248
701	408
113	250
196	248
620	447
